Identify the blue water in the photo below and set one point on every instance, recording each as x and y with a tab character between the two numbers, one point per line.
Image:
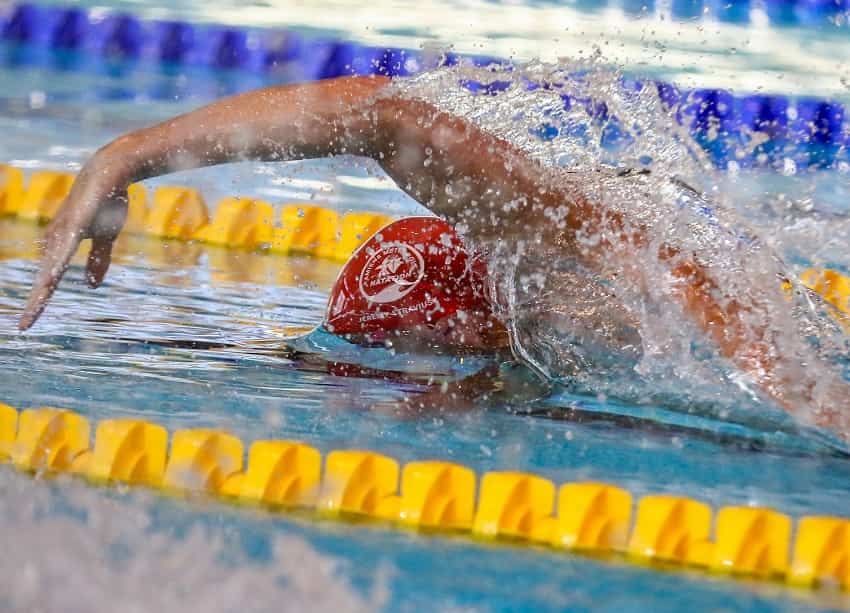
92	353
189	336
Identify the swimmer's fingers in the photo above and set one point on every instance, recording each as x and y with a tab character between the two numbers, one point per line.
104	230
438	401
98	261
62	238
454	397
60	244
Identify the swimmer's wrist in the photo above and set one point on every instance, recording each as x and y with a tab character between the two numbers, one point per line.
125	160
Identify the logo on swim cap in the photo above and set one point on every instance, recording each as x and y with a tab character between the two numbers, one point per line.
414	272
391	273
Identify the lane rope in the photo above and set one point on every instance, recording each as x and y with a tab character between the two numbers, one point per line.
584	517
181	213
433	496
751	130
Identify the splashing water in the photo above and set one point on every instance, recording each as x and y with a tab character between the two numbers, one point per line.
614	327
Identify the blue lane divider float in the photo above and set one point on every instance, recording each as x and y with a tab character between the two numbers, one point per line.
766	131
749	131
124	37
761	130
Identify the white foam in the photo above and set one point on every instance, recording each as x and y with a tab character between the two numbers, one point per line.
68	547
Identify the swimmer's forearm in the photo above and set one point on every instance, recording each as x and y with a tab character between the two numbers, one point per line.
272	124
725	322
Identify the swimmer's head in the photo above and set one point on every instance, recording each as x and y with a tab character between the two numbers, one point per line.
413	284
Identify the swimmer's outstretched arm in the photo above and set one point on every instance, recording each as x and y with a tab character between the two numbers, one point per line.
459	172
274	123
469	177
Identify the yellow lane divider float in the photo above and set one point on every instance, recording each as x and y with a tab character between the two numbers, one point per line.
252	224
181	213
595	518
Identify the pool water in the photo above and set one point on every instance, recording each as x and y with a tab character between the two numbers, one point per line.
126	351
188	335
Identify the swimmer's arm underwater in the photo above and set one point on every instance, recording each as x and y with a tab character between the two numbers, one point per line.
473	179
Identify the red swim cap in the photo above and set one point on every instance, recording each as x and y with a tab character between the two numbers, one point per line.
412	273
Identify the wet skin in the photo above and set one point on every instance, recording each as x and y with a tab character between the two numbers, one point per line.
458	171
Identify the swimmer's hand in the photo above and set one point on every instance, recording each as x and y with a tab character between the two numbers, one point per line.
96	208
447	398
509	384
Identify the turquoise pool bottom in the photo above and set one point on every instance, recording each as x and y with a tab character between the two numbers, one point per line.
126	350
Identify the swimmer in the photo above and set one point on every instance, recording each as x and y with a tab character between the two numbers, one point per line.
494	193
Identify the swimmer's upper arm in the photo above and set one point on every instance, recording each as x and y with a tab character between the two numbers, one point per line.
474	179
